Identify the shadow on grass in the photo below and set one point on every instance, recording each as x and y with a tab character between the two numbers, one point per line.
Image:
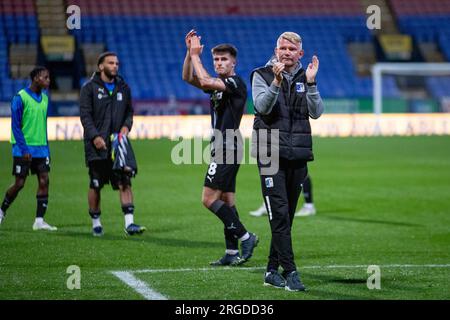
80	235
319	294
337	210
393	287
147	237
73	225
361	220
354	283
183	243
80	227
315	282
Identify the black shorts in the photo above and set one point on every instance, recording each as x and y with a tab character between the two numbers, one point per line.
101	173
21	167
221	177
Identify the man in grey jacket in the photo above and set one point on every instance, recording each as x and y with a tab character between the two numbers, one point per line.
285	96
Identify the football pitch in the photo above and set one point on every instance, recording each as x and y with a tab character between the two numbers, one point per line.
380	201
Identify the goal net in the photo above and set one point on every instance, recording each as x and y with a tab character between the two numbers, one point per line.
415	81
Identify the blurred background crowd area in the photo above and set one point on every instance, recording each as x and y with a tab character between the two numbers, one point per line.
148	36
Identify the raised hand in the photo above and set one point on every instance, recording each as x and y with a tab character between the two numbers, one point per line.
196	47
312	69
277	69
188	37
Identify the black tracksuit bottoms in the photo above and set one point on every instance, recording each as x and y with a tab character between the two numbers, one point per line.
281	192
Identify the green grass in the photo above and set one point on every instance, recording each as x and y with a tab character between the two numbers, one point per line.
380	201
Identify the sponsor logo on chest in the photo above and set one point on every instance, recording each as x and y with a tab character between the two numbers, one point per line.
101	93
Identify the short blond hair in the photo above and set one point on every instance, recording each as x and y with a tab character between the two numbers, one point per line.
291	37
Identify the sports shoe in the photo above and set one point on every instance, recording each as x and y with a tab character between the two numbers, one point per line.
274	279
227	260
97	231
248	246
133	229
261	211
306	210
43	226
293	282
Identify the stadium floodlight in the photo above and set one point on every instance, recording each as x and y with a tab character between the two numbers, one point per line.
424	69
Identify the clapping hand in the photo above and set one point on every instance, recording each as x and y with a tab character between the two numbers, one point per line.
196	48
277	69
312	69
188	37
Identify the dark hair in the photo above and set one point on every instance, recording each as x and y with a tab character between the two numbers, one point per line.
102	56
225	48
36	71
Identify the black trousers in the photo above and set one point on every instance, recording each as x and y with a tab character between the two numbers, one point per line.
281	192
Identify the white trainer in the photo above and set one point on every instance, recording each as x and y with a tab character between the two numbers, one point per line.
42	225
308	209
261	211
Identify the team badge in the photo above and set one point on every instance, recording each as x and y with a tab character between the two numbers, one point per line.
299	87
218	95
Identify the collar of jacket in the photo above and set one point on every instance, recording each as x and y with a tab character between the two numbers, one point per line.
96	78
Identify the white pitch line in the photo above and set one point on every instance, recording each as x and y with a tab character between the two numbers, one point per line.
139	286
300	268
142	288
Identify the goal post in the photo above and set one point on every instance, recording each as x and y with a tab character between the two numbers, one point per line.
407	68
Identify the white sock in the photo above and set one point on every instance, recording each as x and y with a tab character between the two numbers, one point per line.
231	252
2	214
39	220
309	205
245	236
129	219
96	223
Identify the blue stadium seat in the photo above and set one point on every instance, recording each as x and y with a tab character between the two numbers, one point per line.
156	42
